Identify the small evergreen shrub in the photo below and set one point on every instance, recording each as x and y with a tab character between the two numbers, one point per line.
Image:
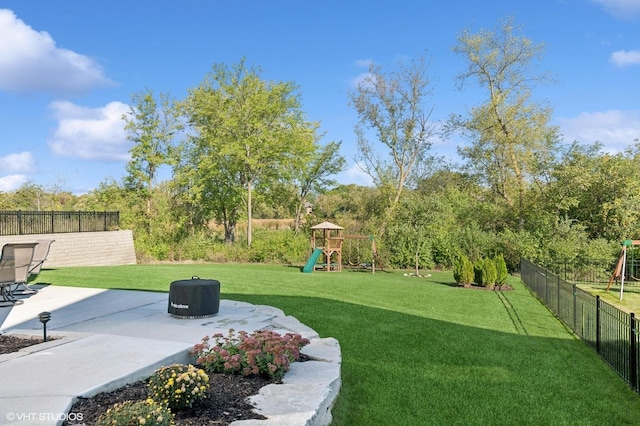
463	270
489	273
501	269
261	352
147	412
478	266
178	385
458	264
467	272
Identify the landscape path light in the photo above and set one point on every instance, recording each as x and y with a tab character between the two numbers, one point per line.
44	318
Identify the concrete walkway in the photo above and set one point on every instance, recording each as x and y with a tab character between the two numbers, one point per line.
104	339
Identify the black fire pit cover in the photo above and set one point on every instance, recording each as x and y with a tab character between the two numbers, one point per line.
194	298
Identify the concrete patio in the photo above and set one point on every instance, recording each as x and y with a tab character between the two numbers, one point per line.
104	339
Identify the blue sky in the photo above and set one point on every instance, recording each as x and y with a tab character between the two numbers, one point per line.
68	69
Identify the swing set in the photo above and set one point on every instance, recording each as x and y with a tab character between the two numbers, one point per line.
354	256
622	266
327	246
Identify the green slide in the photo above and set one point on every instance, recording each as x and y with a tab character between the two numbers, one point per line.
311	263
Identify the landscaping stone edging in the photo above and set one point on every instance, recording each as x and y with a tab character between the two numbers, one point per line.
309	389
308	392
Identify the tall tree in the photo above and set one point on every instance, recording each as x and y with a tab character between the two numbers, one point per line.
598	191
391	105
250	127
207	185
31	196
314	174
509	134
151	125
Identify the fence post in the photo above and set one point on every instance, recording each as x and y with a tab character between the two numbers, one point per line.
575	307
633	356
546	288
19	222
52	214
558	298
598	325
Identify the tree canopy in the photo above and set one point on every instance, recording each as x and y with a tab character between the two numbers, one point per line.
393	105
247	149
245	132
510	135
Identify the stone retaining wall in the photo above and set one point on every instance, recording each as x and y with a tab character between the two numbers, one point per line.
83	248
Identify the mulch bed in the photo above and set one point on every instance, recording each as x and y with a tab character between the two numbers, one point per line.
224	404
9	343
503	287
225	401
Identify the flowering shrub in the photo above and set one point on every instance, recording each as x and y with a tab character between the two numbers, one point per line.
261	352
146	412
178	385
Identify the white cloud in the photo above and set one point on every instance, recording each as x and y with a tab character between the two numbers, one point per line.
90	133
364	63
623	58
616	130
355	175
22	162
30	61
12	182
363	78
18	164
625	9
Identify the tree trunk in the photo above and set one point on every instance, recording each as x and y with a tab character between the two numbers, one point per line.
229	222
229	233
296	225
249	227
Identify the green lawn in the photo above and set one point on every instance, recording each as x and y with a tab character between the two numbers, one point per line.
630	298
419	351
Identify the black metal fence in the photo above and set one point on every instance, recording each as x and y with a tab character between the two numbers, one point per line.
20	222
582	271
611	332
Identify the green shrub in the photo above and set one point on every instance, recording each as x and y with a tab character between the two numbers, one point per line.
444	251
501	269
478	266
514	245
282	246
261	352
467	272
127	413
457	269
489	274
472	240
463	270
178	385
